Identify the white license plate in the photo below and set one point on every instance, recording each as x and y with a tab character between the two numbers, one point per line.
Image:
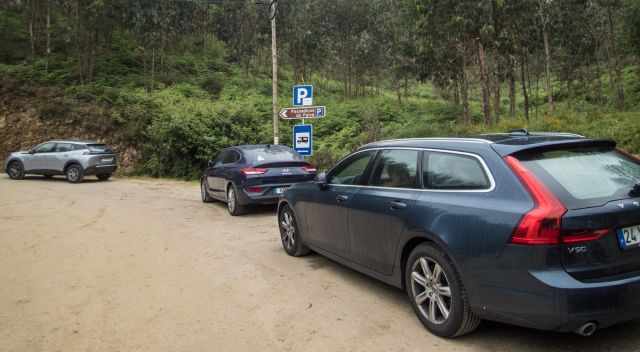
107	160
280	190
629	237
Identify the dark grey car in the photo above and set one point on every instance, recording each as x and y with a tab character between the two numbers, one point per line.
533	229
74	159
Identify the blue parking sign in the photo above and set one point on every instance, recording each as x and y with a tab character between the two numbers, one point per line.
303	95
303	139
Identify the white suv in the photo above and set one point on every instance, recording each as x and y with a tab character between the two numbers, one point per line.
74	159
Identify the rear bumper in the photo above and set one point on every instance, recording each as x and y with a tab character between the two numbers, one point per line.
554	300
100	169
606	303
266	197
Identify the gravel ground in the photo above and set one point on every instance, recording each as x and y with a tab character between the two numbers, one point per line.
144	265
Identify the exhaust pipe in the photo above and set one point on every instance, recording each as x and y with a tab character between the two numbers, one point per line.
587	329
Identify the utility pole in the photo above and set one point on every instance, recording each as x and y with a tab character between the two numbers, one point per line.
274	59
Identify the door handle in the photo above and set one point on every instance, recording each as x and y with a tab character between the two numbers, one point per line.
396	205
341	198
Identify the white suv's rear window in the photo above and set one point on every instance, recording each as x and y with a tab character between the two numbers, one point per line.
584	177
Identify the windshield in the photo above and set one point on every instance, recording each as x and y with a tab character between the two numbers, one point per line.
270	154
585	177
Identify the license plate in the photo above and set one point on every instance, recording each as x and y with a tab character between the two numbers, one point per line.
280	190
629	237
107	160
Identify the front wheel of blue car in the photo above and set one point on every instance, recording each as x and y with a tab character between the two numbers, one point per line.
437	293
290	233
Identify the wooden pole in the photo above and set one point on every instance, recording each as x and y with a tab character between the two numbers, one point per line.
274	59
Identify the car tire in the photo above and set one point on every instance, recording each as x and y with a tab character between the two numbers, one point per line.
437	293
234	208
15	170
206	198
290	233
74	173
103	177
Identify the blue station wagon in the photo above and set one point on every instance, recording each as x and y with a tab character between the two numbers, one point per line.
540	230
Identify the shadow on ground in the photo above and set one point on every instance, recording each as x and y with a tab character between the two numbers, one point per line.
492	336
55	179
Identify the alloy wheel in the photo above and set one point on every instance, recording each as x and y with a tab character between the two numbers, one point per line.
73	174
14	170
288	230
231	200
430	290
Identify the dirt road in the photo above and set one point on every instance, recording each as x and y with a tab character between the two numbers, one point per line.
143	265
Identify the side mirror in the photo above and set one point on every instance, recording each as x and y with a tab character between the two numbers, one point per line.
32	151
210	163
321	181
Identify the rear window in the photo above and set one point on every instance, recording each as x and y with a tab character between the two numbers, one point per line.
271	154
99	148
585	177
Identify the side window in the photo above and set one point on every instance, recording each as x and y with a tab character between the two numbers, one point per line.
449	171
218	160
45	148
79	147
351	171
396	168
64	147
230	157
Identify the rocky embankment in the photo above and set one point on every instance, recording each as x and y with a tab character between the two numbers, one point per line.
30	115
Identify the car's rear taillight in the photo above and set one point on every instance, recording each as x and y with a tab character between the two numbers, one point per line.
309	169
542	224
253	171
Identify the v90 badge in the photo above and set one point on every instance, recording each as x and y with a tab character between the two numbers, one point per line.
577	249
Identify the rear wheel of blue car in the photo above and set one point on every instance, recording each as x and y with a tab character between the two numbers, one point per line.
437	294
15	170
234	207
290	234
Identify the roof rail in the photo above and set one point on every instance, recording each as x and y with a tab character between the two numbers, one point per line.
520	131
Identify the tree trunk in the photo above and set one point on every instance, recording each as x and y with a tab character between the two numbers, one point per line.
486	108
464	92
512	88
523	80
617	71
456	92
153	67
547	63
497	93
48	34
32	37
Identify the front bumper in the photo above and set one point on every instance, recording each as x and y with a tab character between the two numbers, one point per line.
100	169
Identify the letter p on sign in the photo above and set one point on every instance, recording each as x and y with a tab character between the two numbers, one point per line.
303	95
